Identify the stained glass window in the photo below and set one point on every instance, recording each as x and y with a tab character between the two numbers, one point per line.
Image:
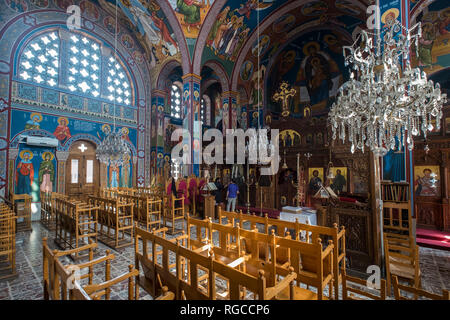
84	65
175	102
118	86
40	60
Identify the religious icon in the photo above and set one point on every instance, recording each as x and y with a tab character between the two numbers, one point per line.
318	72
114	174
260	45
125	132
339	183
89	9
25	173
315	179
33	123
127	41
125	175
427	180
246	70
110	25
190	9
46	173
62	131
390	16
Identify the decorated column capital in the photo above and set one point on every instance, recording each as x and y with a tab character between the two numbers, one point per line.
62	155
13	153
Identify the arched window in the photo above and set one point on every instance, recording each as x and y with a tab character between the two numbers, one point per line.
175	102
40	60
78	68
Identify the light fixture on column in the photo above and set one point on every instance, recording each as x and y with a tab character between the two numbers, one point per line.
113	149
385	100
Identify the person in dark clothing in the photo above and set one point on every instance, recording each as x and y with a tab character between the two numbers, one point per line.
172	190
218	193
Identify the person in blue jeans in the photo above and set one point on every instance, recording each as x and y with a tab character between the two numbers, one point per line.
233	191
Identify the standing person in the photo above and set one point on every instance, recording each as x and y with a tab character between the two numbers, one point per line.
172	190
233	191
218	193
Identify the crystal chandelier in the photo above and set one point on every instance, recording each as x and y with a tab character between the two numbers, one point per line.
113	149
384	102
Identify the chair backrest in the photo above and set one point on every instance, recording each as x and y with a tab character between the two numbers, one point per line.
415	292
352	292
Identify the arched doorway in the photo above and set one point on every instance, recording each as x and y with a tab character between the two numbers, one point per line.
82	170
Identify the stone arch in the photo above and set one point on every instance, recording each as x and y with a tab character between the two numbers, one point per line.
220	72
179	35
203	35
165	71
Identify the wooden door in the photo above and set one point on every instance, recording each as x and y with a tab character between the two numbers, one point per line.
82	170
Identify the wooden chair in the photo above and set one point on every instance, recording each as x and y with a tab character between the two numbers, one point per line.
166	294
115	221
58	277
416	292
349	289
22	208
76	224
401	261
173	213
97	291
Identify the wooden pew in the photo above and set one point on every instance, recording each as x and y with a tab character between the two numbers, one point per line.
402	262
115	221
416	292
75	224
7	242
311	234
349	289
186	285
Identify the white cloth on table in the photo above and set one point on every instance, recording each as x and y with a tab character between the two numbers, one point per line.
307	216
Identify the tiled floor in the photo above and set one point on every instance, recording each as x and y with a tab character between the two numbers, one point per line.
435	267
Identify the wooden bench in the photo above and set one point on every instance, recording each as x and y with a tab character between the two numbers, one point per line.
284	228
75	224
115	221
7	242
187	285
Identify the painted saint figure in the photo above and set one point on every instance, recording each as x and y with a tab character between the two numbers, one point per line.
426	185
114	176
62	131
191	11
25	173
46	173
315	182
125	175
33	123
339	182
